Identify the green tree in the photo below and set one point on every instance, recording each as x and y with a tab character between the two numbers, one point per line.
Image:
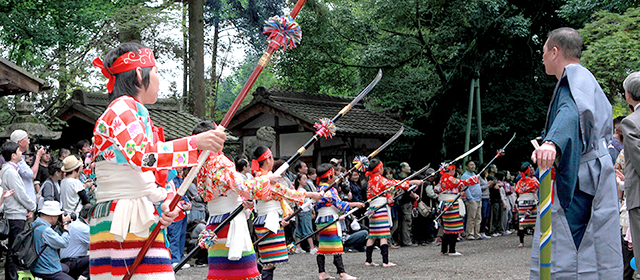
612	52
245	19
580	12
230	86
429	52
57	40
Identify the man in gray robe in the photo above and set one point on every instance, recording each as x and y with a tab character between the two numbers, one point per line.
630	131
585	243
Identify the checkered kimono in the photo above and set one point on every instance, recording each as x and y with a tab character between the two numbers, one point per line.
125	135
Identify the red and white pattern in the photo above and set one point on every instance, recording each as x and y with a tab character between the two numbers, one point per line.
124	134
450	184
527	185
378	184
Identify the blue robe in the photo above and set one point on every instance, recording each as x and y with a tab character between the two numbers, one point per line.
585	243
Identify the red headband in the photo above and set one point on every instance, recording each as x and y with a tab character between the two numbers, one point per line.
126	62
446	170
375	170
325	175
526	172
255	163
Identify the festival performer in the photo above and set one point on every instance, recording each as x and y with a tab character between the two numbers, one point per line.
380	223
328	208
585	241
527	188
449	187
232	256
131	163
271	208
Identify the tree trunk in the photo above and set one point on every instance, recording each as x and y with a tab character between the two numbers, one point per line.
196	58
185	58
214	62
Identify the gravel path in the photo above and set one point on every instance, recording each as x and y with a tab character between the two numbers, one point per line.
495	258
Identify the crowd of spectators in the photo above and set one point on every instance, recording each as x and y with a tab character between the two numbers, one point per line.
51	194
33	179
492	209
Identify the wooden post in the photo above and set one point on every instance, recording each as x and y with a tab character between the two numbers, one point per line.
479	117
467	137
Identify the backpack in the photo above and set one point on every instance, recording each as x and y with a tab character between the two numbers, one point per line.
23	251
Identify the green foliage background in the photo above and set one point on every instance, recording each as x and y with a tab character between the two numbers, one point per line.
429	51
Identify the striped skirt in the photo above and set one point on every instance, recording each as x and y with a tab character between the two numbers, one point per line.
110	259
452	220
379	224
272	249
220	267
527	212
329	242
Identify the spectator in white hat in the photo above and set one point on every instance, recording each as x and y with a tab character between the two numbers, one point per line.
27	173
47	242
72	192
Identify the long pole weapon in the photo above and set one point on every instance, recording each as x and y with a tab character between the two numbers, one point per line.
283	30
547	178
499	153
399	183
444	166
360	163
354	209
326	128
374	210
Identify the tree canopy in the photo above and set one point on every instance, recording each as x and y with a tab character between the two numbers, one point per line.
57	40
429	51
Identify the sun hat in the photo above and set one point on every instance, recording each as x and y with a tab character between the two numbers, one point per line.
51	208
70	163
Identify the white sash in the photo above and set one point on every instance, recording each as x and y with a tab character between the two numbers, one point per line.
273	210
527	196
331	211
238	237
135	192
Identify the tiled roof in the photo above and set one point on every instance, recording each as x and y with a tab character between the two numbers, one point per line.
164	112
308	108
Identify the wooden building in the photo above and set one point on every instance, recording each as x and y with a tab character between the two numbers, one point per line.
293	114
83	109
16	80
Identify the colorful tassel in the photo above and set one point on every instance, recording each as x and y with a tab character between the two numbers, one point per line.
361	163
206	239
285	26
326	128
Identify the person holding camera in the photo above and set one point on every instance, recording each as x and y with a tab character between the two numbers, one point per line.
43	168
47	242
27	173
75	254
72	192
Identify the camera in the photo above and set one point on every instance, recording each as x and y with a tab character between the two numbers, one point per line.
71	214
38	146
36	141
